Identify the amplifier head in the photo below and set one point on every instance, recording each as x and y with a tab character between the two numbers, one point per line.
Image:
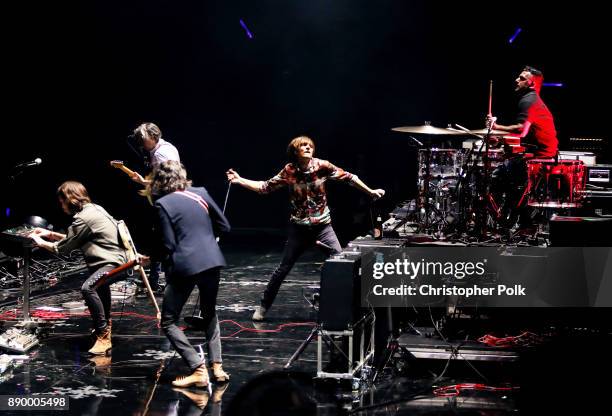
599	175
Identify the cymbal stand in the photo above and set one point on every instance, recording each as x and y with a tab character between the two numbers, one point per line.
485	203
425	197
425	207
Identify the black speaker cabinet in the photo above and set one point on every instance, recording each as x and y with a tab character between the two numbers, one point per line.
580	231
339	305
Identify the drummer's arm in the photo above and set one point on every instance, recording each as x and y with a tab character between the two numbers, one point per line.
519	129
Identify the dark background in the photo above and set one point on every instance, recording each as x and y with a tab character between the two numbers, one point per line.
80	75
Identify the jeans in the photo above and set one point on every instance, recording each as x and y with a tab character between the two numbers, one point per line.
300	238
96	292
176	294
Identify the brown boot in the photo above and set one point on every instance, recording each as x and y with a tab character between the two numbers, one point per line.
198	378
93	334
219	375
103	343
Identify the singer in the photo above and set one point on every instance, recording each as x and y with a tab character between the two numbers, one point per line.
310	219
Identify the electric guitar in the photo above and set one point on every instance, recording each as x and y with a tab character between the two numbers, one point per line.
118	164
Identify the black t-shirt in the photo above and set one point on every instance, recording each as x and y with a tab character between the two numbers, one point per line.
542	132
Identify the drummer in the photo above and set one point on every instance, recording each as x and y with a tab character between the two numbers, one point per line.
534	122
535	125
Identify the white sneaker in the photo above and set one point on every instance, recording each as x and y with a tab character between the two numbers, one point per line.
259	314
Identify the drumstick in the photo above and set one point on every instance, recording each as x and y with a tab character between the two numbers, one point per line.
490	97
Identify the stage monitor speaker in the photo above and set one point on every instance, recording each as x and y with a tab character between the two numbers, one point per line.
340	306
580	231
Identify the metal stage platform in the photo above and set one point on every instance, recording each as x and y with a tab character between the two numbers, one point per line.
438	349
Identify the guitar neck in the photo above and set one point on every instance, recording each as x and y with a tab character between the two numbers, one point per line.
118	164
126	170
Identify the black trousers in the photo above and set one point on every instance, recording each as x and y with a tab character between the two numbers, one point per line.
97	295
300	238
176	294
510	178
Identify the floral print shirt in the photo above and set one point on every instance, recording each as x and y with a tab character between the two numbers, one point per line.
307	194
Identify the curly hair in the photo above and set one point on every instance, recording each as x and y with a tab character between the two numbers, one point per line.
75	194
168	177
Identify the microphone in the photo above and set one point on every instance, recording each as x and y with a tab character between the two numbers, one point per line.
35	162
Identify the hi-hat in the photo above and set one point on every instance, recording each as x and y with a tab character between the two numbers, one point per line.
428	129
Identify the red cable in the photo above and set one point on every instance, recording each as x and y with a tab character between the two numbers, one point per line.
525	338
42	314
279	328
49	315
455	389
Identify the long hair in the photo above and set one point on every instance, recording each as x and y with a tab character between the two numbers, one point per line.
75	194
168	177
294	147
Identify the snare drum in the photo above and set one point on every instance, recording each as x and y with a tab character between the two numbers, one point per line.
555	185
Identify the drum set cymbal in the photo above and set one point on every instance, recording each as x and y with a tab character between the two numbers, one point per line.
428	129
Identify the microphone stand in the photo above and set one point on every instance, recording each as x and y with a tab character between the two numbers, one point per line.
18	170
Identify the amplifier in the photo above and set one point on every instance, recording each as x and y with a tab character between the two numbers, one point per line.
339	305
599	175
580	231
589	144
588	158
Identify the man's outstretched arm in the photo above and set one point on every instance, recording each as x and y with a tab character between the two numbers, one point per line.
236	179
374	193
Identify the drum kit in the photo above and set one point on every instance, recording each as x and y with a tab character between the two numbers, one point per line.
454	184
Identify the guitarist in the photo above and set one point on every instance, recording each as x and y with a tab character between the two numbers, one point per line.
149	137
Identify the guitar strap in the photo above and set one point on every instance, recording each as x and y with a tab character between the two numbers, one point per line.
123	234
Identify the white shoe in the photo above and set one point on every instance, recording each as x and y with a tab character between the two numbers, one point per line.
259	314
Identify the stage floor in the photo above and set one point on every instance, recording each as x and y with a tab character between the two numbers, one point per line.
135	378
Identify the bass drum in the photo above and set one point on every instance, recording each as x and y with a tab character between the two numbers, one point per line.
555	185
